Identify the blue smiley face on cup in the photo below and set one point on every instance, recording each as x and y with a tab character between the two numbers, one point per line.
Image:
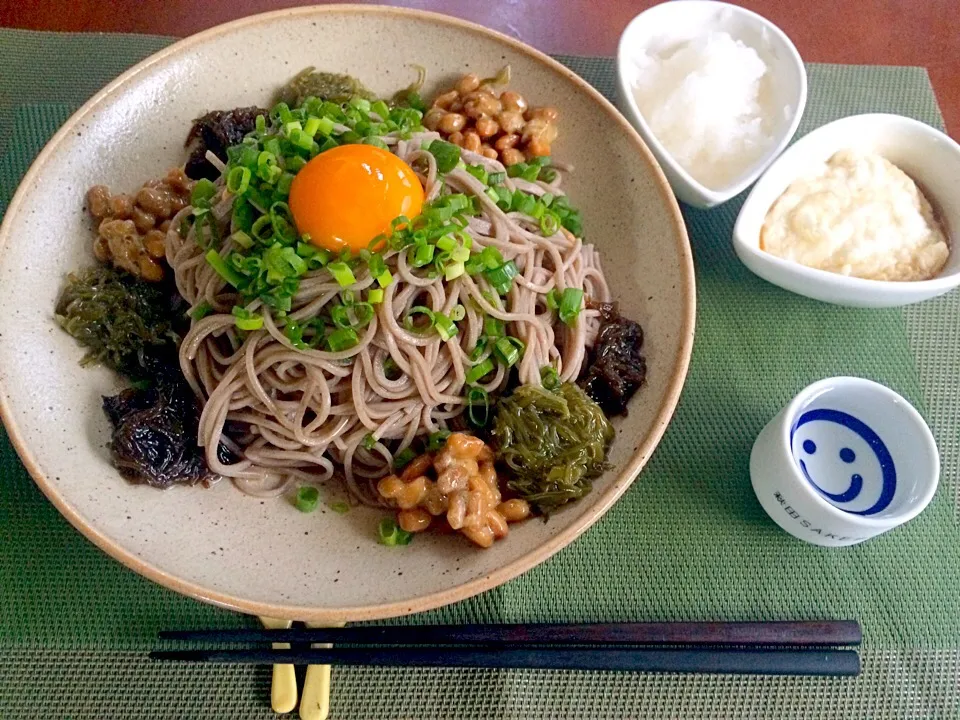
845	460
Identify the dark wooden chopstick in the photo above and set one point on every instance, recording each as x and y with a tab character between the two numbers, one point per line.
836	663
743	634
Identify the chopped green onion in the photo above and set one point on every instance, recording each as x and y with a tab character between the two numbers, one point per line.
224	270
496	178
382	109
444	325
391	534
410	324
375	296
342	339
447	243
437	441
478	351
238	180
447	155
422	255
570	303
260	224
549	224
289	127
242	239
203	191
403	458
479	172
261	124
458	312
325	127
245	320
453	271
509	350
342	273
311	126
531	173
549	377
478	371
553	299
460	254
201	311
307	498
491	257
385	278
360	103
339	507
369	442
477	397
502	277
494	327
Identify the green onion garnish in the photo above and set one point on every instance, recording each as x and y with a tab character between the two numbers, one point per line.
549	377
224	270
369	442
447	243
570	303
494	327
403	458
409	321
479	172
339	507
509	350
307	498
391	534
385	278
242	239
203	191
496	178
446	154
437	441
458	312
342	273
342	339
238	180
479	371
478	407
444	325
201	311
549	224
553	299
245	320
375	296
453	271
422	255
502	277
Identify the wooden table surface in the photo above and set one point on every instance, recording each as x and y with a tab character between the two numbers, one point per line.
881	32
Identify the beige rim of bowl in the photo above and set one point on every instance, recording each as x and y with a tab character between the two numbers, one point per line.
454	594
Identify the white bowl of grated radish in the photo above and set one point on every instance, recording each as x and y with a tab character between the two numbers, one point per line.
715	90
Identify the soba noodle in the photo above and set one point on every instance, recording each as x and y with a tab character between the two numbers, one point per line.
302	412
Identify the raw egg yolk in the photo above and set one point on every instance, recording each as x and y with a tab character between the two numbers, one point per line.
348	195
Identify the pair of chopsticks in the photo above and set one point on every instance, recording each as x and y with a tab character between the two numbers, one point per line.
753	648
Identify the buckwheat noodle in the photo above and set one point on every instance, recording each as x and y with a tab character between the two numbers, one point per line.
297	415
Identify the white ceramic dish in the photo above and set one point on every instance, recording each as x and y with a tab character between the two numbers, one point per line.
846	460
669	24
928	156
263	556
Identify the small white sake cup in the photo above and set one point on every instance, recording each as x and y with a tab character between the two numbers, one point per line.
846	460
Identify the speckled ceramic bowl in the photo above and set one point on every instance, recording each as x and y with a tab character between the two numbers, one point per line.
265	557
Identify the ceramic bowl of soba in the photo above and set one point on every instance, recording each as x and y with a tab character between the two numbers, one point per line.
313	314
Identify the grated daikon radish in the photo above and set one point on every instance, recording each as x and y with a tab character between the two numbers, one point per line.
702	101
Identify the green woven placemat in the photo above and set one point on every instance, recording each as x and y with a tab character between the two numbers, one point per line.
688	541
